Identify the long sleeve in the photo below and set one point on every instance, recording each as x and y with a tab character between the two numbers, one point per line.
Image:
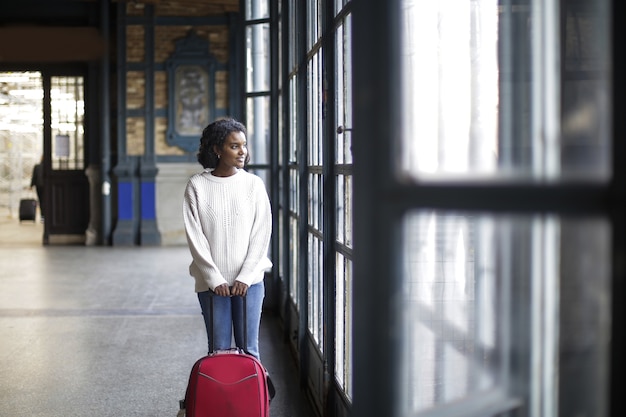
203	266
228	224
256	259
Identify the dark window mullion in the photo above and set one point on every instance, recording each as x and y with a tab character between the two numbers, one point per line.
512	198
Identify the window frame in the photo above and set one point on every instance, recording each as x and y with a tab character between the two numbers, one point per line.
381	201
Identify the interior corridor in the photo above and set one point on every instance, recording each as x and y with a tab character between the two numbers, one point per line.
106	331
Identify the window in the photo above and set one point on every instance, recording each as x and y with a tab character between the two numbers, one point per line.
293	186
315	151
21	134
67	103
486	209
258	113
318	129
343	197
492	69
481	287
493	303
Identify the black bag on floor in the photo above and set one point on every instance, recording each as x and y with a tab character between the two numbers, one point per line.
28	209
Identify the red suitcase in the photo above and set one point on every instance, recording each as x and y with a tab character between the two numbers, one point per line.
228	383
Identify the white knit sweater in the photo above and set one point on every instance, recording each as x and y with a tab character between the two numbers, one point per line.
228	224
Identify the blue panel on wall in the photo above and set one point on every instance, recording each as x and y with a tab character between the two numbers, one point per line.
148	200
125	200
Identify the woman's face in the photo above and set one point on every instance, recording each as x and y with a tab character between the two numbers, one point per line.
233	152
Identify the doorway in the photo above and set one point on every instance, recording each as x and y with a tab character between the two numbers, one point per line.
21	147
42	114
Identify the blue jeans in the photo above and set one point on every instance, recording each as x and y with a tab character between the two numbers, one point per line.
228	315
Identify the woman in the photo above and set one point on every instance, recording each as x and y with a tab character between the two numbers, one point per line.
228	223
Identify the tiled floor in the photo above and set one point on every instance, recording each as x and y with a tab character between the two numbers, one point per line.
103	331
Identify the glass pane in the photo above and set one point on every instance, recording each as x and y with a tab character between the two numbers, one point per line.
315	289
314	22
258	112
314	107
293	262
339	4
341	208
258	59
282	238
343	323
347	203
316	270
293	35
343	59
293	122
585	117
489	92
294	236
514	306
294	189
68	114
257	9
344	209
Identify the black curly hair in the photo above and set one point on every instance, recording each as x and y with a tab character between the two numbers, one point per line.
214	135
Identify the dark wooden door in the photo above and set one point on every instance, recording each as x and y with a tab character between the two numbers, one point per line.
66	186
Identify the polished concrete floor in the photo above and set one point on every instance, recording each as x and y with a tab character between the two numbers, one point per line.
103	331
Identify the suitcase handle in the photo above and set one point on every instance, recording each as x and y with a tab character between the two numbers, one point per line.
245	322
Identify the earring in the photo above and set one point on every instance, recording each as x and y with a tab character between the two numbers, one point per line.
219	156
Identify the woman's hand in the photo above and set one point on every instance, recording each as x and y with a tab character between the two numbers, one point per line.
239	289
222	290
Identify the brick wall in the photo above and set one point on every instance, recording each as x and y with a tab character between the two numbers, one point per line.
165	38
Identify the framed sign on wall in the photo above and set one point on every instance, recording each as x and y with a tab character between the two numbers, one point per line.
191	99
191	84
